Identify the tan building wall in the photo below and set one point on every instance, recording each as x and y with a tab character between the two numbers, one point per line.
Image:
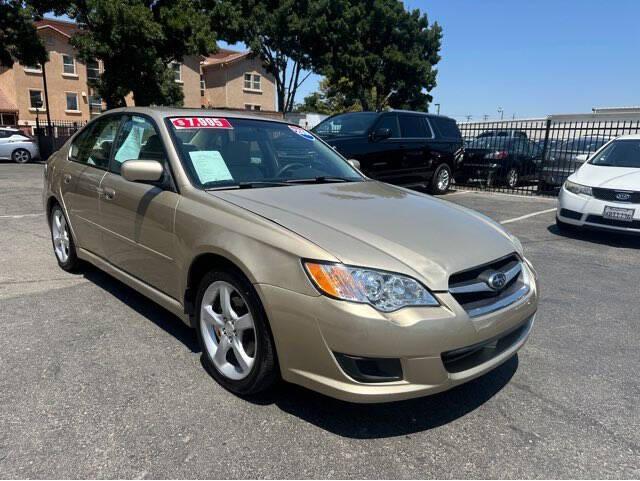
225	85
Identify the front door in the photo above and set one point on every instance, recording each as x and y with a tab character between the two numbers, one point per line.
81	177
381	157
137	218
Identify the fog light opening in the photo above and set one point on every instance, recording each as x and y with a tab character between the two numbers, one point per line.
370	369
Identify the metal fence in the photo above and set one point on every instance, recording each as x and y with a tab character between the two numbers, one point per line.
52	136
531	157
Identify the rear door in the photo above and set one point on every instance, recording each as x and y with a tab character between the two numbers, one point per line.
417	162
137	218
87	164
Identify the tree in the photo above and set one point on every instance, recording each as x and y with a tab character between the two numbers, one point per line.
389	56
328	100
18	36
289	36
136	41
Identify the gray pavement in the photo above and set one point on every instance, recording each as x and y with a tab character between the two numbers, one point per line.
97	381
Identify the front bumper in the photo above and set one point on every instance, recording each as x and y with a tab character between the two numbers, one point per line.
585	211
309	330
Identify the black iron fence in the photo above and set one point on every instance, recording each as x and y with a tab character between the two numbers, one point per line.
52	136
531	157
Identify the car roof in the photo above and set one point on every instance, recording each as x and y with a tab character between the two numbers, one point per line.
397	111
164	112
628	137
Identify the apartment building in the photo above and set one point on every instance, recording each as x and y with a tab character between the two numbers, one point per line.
225	80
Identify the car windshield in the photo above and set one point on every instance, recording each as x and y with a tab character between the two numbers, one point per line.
357	123
620	153
230	153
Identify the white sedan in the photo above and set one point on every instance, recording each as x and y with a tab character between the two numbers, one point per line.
17	146
605	192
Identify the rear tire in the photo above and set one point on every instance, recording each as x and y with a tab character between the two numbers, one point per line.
441	180
237	346
64	247
512	178
21	156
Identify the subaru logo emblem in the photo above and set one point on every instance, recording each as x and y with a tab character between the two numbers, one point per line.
497	281
623	196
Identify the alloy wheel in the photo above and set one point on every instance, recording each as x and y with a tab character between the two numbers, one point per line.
443	180
60	231
228	330
21	156
512	178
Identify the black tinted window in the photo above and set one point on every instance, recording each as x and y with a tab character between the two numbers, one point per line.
412	126
447	127
389	122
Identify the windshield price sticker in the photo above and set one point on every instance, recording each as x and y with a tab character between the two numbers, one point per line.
302	133
201	123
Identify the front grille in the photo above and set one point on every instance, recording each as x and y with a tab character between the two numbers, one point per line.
468	357
474	291
597	219
612	195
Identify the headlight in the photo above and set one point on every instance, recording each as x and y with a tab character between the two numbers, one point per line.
383	290
578	188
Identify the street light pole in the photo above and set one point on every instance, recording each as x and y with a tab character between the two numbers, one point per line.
437	109
501	112
46	99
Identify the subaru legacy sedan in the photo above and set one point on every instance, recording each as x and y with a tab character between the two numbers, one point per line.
286	260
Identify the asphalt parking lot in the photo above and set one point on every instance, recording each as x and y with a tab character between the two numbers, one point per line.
96	381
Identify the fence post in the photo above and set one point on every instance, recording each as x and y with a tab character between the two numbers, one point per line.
545	146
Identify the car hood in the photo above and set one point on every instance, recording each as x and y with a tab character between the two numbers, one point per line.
623	178
381	226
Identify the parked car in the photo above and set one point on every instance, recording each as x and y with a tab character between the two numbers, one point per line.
496	159
565	157
287	260
399	147
508	134
604	192
17	146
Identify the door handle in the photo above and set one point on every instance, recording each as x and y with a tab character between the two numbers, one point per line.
108	194
66	178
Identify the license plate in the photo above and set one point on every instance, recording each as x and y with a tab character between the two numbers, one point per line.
618	213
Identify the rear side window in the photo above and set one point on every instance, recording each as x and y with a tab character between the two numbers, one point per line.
447	127
414	126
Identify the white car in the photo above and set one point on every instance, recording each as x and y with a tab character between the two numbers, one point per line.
605	192
17	146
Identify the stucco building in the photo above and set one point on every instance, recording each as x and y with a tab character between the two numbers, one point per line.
226	80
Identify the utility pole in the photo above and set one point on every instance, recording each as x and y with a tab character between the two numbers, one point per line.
501	112
486	117
468	118
46	100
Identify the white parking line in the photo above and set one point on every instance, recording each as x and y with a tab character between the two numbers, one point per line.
522	217
19	216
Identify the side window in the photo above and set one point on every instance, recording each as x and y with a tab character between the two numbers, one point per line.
93	145
389	122
429	130
413	126
138	139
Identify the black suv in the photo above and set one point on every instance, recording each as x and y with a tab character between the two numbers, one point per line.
399	147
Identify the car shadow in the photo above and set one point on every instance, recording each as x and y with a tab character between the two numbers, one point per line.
400	418
162	318
608	238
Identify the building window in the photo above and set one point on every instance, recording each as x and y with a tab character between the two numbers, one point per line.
8	119
252	81
72	101
35	99
177	71
37	68
95	104
202	86
93	70
252	107
68	65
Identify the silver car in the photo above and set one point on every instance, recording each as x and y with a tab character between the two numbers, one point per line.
17	146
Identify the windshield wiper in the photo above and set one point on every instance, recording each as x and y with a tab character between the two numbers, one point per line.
323	179
250	185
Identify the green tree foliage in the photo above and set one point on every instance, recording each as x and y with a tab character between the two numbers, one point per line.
18	37
387	55
137	40
289	36
328	100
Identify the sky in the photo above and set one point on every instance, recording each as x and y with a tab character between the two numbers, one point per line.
532	58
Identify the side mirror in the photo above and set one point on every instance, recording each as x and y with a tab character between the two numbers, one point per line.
381	134
354	163
582	157
142	170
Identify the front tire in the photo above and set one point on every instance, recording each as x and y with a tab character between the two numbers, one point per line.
512	178
237	346
21	156
63	245
441	180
